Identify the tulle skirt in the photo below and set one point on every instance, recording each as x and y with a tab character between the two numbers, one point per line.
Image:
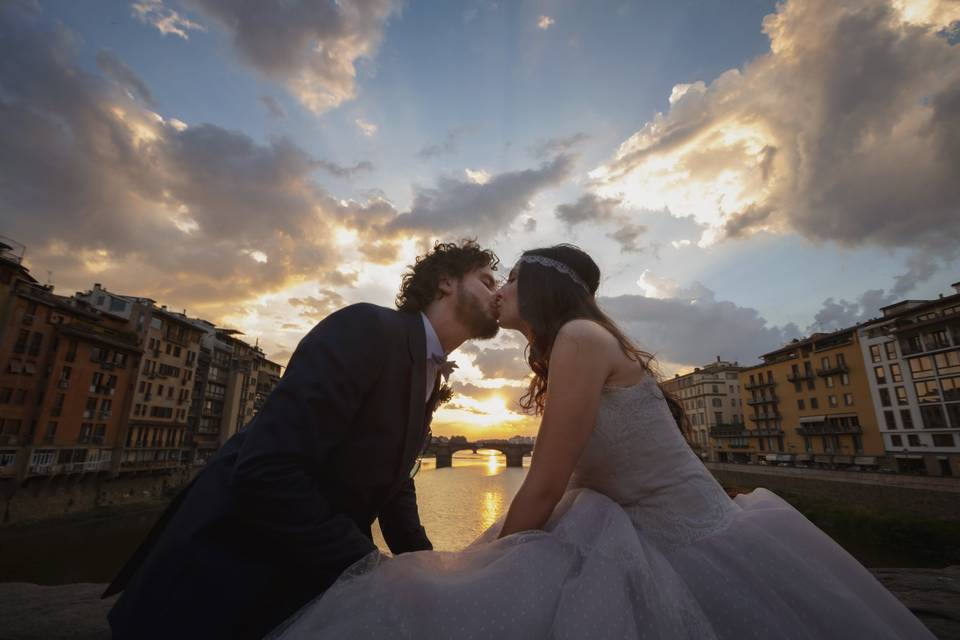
589	574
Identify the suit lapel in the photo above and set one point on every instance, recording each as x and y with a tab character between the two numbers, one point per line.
417	343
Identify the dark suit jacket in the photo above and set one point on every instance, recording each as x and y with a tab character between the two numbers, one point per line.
287	503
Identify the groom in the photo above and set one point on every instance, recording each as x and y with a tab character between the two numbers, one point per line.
287	503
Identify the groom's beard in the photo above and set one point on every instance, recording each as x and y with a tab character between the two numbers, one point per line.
471	313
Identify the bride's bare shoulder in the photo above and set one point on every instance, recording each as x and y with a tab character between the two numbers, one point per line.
583	329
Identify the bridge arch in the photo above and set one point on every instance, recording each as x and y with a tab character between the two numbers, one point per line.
444	451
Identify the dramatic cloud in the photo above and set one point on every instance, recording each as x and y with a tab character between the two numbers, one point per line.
313	47
166	20
98	187
316	308
691	327
591	208
838	314
848	130
125	78
502	363
628	237
487	207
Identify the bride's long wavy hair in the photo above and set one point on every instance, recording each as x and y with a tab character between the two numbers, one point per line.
548	299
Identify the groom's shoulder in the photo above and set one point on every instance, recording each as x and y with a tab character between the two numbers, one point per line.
367	315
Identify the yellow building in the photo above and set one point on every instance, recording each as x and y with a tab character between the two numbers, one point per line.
809	402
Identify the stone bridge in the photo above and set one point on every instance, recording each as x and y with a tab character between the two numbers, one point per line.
444	451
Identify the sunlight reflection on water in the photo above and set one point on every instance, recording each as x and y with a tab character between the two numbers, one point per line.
458	504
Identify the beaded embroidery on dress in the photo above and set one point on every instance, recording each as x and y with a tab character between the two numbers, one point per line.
645	544
637	457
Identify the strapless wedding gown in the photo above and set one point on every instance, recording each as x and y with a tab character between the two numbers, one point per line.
645	544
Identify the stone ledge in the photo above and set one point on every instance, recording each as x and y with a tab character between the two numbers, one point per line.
75	611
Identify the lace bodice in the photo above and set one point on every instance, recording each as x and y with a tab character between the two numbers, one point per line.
638	457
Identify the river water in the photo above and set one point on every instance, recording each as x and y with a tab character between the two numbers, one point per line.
456	505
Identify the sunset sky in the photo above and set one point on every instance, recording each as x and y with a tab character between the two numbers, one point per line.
743	172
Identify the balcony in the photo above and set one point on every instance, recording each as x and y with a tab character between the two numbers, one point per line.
800	377
772	400
827	428
728	431
175	339
70	467
760	385
766	432
764	418
834	370
63	384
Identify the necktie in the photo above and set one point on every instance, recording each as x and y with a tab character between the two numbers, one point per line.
444	366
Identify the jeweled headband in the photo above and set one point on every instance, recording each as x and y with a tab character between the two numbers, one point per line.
559	266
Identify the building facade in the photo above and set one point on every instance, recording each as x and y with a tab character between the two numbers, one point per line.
809	403
913	356
66	381
711	398
233	381
156	431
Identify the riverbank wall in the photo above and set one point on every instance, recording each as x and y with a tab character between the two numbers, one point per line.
936	498
57	497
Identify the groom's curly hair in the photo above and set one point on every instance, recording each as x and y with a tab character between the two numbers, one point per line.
421	283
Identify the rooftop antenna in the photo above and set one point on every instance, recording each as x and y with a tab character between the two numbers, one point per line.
49	277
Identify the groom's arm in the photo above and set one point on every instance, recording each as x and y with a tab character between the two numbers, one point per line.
400	522
307	415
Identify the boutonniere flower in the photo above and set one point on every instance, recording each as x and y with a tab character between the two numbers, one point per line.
444	394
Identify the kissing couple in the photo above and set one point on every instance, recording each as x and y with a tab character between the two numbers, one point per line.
618	531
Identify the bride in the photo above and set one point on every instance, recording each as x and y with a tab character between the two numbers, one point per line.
618	531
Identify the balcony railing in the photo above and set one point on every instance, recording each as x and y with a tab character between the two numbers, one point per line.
769	416
69	467
728	431
826	428
773	399
766	432
830	371
760	385
800	376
